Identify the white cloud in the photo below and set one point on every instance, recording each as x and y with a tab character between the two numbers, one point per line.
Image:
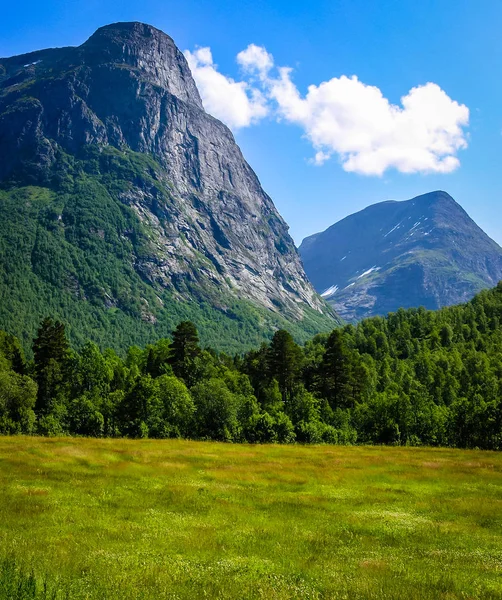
255	59
346	117
320	158
342	116
234	102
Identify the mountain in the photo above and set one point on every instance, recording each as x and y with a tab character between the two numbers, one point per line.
426	251
125	207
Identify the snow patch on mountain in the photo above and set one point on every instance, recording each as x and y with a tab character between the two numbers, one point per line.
393	229
330	291
375	268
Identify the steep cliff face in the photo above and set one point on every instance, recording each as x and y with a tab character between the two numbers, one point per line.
210	231
422	252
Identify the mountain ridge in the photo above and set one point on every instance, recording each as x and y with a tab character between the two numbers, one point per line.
423	251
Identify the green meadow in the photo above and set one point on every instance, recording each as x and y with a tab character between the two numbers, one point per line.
127	519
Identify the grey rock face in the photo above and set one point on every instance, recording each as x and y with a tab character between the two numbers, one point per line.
422	252
128	86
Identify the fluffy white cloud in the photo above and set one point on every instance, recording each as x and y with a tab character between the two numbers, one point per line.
255	59
235	103
342	116
355	121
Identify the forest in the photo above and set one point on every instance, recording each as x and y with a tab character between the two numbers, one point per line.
415	377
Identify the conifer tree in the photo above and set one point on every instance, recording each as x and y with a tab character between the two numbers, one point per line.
285	360
335	371
185	350
50	349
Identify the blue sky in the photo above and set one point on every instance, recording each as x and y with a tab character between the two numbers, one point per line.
394	46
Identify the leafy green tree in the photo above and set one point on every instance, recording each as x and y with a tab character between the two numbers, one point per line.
84	417
248	416
216	411
7	344
18	395
255	366
177	409
304	406
12	353
54	422
157	357
265	431
141	408
284	429
271	399
91	372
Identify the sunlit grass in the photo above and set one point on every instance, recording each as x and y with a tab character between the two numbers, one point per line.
176	519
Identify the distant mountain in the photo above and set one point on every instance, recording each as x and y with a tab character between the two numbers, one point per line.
125	207
426	251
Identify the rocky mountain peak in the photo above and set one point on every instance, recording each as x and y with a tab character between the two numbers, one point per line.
433	198
423	251
116	88
147	49
432	203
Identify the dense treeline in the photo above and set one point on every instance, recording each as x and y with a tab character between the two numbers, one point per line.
414	377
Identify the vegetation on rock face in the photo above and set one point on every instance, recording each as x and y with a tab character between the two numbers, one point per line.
78	250
414	377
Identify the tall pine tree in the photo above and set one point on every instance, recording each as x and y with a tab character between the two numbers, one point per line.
285	359
51	351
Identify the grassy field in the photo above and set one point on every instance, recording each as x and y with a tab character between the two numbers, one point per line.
172	519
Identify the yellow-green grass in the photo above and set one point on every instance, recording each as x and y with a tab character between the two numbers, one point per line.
176	519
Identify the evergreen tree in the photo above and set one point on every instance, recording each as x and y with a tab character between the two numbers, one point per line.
51	352
336	371
285	359
185	350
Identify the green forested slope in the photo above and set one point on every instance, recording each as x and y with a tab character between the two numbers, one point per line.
74	249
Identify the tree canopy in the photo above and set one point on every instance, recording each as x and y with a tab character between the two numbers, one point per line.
413	377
